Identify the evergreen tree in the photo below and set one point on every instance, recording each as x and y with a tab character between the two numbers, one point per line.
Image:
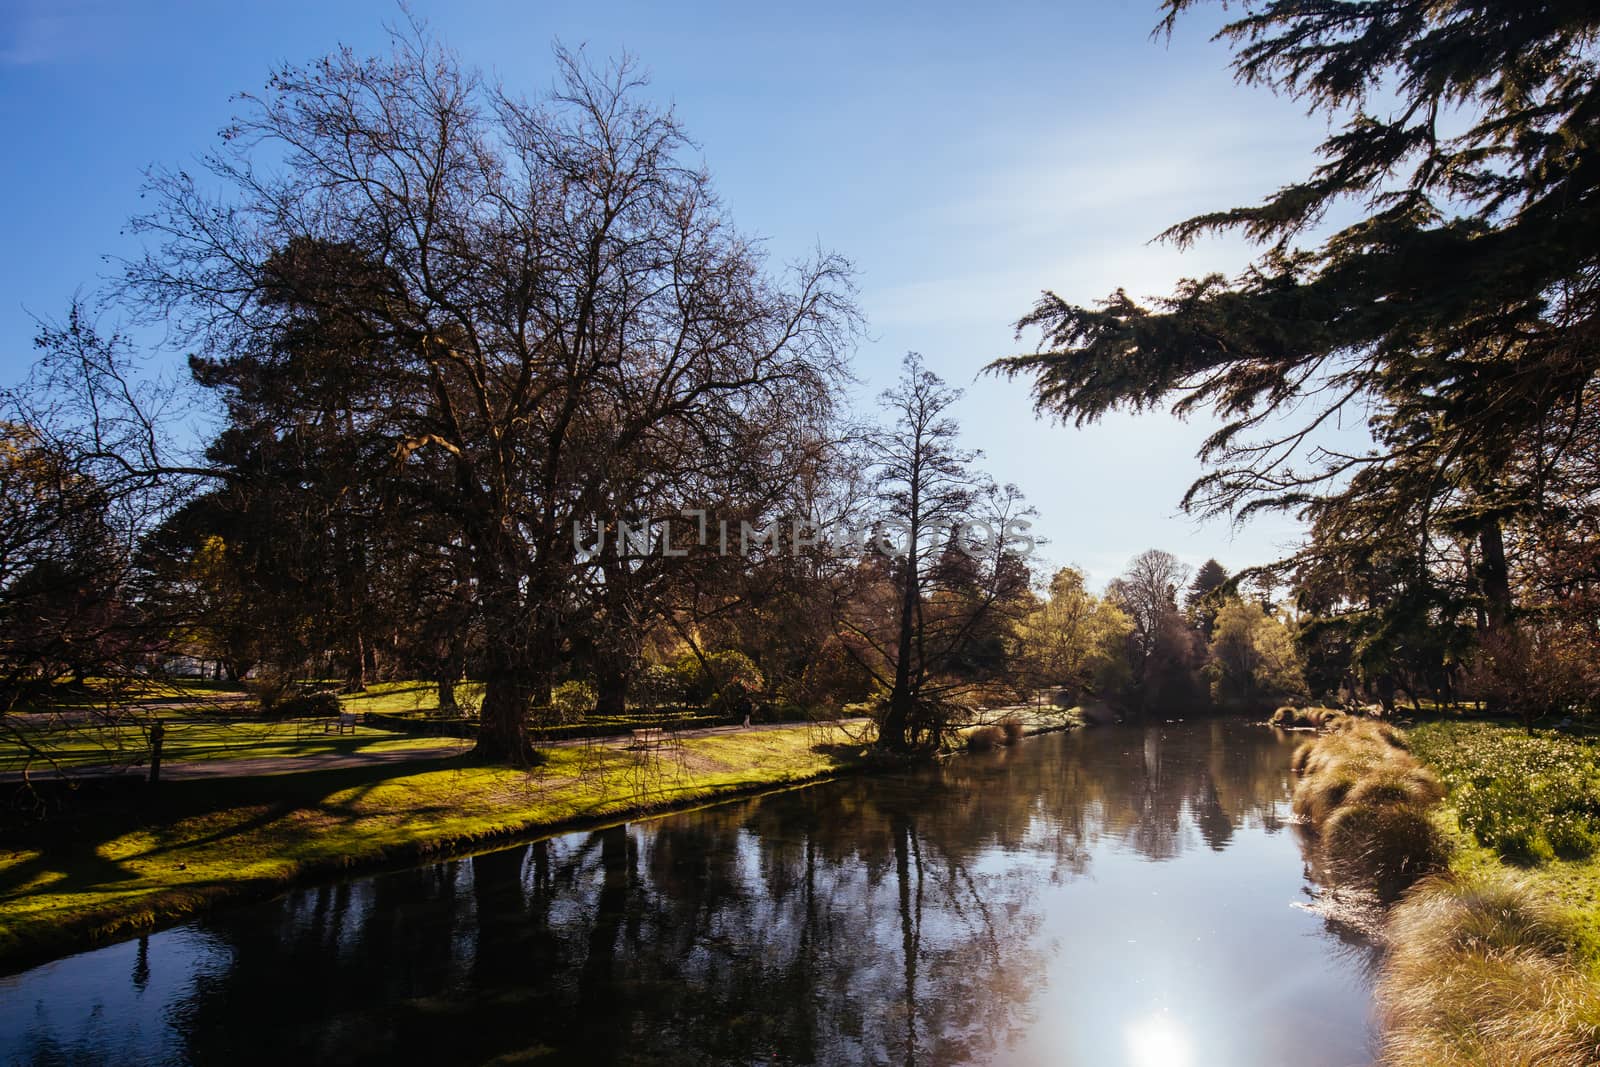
1206	595
1454	315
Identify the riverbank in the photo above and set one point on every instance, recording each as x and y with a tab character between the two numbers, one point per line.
199	844
1495	956
189	846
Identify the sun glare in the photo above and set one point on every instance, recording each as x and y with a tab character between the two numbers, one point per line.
1156	1041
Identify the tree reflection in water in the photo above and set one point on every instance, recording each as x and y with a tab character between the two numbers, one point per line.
909	919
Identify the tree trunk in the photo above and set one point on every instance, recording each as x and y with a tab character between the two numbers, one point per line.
451	667
1494	582
1494	577
503	720
516	666
509	693
356	673
611	686
894	733
1385	687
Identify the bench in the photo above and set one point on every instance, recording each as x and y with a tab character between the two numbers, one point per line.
650	737
345	723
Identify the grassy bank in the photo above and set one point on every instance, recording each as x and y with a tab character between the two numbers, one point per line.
64	886
1526	808
1483	970
1496	961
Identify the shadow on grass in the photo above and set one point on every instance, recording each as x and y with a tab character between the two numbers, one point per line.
101	812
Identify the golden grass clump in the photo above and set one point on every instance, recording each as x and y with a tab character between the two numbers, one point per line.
985	739
1480	972
1322	790
1367	799
1386	847
1291	717
1370	729
1394	785
1302	755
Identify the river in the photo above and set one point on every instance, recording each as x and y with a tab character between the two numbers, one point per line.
1132	895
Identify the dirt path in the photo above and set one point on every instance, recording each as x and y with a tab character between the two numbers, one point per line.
129	714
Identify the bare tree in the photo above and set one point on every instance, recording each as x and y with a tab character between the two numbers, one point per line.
86	473
1163	645
931	584
551	289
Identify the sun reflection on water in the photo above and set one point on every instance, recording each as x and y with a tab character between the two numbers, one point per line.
1157	1041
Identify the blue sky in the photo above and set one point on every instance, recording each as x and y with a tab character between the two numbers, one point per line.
963	159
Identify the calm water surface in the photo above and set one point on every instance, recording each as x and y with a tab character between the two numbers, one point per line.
1125	895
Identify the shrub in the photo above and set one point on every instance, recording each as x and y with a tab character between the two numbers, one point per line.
305	706
658	686
1570	836
792	712
732	667
571	701
271	688
733	700
1480	972
719	672
870	708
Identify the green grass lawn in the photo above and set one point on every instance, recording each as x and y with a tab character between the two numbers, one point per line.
187	739
200	842
400	698
1531	804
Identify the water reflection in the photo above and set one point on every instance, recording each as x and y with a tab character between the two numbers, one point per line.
1112	896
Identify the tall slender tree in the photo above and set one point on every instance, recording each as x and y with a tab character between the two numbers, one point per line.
922	611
